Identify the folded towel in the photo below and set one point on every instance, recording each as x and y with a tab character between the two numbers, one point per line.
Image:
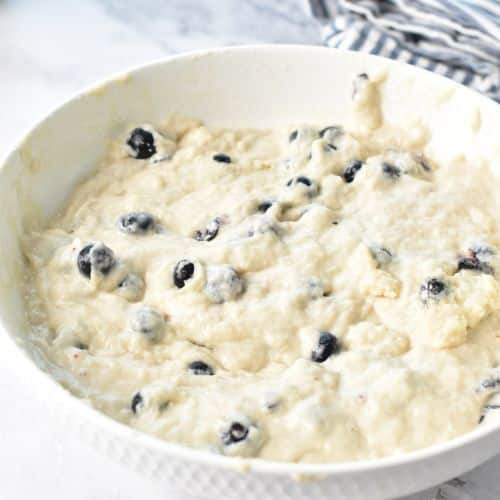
459	39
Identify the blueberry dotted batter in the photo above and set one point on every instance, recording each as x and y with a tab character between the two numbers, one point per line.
313	294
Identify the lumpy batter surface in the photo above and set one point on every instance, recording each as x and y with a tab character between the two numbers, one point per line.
314	294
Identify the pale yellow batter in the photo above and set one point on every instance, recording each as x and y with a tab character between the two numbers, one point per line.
315	294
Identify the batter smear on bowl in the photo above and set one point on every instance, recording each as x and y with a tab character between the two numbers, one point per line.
314	294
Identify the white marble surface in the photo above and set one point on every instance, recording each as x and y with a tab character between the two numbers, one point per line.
48	50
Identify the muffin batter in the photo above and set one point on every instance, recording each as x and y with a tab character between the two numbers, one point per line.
317	294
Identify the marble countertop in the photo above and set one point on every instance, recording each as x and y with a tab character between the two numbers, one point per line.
49	50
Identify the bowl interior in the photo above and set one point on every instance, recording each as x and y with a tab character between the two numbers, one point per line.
248	87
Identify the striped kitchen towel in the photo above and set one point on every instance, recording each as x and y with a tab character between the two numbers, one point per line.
459	39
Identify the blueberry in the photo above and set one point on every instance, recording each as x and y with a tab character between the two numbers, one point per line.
391	171
474	264
432	289
102	258
137	402
424	163
331	130
234	434
330	136
293	136
183	271
483	251
358	81
264	206
84	260
299	180
147	322
304	180
136	223
328	344
310	185
95	257
382	255
222	158
272	404
262	225
142	143
315	289
200	368
435	286
222	284
353	167
131	287
490	383
210	232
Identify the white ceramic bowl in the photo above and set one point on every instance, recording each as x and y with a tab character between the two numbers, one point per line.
261	86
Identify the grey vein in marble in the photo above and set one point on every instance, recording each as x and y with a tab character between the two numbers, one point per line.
179	25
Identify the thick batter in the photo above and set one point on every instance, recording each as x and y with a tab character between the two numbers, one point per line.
317	294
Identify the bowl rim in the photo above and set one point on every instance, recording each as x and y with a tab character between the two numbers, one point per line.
203	457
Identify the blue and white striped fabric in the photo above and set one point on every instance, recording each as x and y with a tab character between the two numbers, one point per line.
459	39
